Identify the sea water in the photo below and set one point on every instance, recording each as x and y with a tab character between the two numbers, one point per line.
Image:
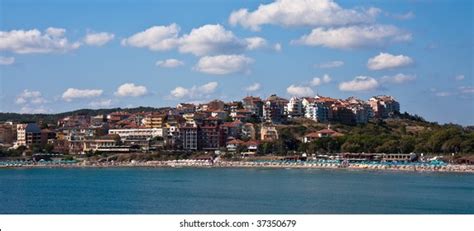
232	190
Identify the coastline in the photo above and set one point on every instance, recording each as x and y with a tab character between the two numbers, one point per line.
452	168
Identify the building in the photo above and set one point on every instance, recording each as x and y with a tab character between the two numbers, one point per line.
320	134
154	120
189	137
294	108
248	131
184	108
147	133
210	137
7	134
274	109
28	135
384	106
268	133
109	143
317	112
254	105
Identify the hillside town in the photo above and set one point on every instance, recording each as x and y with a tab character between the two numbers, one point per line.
237	126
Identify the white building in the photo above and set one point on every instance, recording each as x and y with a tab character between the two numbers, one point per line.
294	107
316	111
139	132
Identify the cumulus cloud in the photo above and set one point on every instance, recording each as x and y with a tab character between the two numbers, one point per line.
156	38
34	41
169	63
299	91
320	80
253	87
223	64
98	39
195	91
290	13
388	61
210	39
360	36
398	78
102	103
331	64
73	93
30	97
359	83
130	89
6	60
55	32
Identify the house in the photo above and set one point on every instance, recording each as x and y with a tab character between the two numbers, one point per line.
328	132
268	133
234	144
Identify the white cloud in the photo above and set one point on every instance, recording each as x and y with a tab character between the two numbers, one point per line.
156	38
210	39
33	41
223	64
31	102
459	77
290	13
130	89
215	39
398	78
169	63
55	32
73	93
102	103
388	61
30	97
7	60
331	64
195	91
320	80
359	83
299	91
98	39
253	87
354	37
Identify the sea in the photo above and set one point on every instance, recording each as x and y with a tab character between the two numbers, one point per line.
232	191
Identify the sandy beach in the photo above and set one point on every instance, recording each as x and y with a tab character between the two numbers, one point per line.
414	167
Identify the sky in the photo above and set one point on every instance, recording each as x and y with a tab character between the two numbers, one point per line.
57	56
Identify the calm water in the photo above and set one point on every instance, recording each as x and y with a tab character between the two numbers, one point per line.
142	190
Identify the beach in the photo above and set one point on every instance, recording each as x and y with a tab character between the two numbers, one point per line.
408	167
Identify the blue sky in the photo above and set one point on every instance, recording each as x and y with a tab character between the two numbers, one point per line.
57	56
